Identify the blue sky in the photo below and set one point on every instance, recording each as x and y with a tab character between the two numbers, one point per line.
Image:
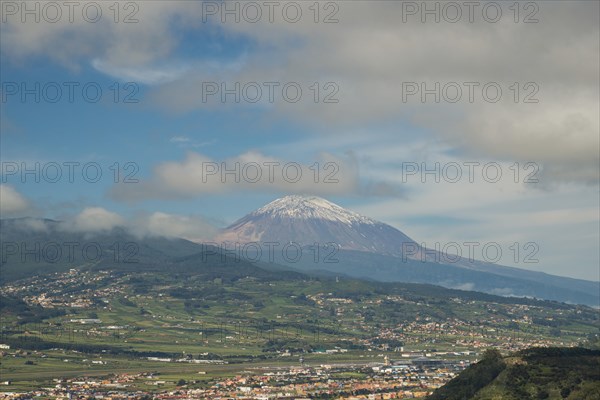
366	62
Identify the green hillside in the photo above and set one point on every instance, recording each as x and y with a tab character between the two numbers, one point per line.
536	373
197	305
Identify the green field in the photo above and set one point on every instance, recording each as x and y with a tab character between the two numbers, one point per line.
241	321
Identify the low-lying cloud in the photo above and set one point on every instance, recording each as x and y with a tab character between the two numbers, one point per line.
12	203
97	220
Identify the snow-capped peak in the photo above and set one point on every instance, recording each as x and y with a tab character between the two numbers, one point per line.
310	207
307	220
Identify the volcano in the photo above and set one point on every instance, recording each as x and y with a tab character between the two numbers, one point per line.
307	220
369	249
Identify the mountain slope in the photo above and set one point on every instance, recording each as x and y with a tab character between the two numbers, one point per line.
537	373
382	268
24	240
306	220
358	246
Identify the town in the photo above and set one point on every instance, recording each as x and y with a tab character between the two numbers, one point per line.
210	339
411	379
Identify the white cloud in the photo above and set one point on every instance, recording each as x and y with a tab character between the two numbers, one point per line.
148	76
12	203
465	286
369	53
199	175
94	219
146	36
191	227
36	225
371	60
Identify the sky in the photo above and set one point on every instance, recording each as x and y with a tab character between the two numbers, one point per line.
454	122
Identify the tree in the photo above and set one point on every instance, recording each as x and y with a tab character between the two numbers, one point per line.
492	354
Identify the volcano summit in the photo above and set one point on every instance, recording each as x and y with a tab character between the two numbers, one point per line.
309	219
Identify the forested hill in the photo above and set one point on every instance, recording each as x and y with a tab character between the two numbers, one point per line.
536	373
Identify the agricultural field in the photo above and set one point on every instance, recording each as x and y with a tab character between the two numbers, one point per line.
95	323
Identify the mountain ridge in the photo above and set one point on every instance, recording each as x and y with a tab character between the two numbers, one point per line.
346	243
296	218
371	249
